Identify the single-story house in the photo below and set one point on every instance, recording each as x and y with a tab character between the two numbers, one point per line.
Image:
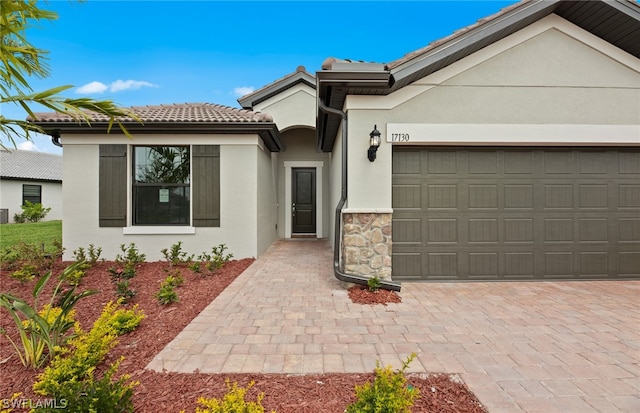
30	176
509	150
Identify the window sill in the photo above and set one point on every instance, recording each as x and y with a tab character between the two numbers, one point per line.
155	230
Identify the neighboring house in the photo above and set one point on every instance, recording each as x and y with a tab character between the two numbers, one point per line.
510	150
30	176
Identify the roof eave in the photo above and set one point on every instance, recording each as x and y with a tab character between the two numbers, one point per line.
328	81
268	131
249	101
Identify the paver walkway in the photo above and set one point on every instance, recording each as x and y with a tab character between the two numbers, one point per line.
520	346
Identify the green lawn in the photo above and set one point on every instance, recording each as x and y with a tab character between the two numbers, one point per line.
37	233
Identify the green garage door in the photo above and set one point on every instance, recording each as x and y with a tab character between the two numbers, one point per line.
516	213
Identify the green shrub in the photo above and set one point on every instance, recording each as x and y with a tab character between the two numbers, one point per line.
175	255
42	334
124	291
31	213
26	273
75	362
26	253
174	279
232	402
130	254
94	253
388	393
374	283
91	395
213	261
167	294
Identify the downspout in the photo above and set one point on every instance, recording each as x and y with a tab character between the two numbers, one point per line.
337	244
55	138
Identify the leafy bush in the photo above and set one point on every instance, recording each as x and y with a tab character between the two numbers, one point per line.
120	276
167	294
130	254
94	253
75	362
124	291
374	283
31	213
213	261
25	253
42	334
175	255
232	402
26	273
389	392
91	395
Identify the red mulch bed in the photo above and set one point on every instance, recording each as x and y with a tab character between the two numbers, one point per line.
173	392
361	295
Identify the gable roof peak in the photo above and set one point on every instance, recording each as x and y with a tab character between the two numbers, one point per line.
300	76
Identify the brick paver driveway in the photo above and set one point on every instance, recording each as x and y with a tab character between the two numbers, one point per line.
520	346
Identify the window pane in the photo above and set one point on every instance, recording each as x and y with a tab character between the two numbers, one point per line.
162	164
32	193
158	205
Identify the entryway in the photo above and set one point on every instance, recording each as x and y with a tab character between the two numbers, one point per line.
303	199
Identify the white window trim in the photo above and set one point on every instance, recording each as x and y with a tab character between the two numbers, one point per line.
288	166
131	229
158	230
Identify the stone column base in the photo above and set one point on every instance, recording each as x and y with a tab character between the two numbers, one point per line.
366	244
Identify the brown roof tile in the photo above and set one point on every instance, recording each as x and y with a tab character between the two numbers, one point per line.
416	53
183	112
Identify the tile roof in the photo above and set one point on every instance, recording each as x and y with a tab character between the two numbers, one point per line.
299	76
417	53
20	164
173	113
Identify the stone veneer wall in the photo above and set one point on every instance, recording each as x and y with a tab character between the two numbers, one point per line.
366	244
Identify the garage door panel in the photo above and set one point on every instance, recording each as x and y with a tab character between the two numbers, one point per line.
629	163
558	162
518	162
442	196
629	196
519	265
516	213
518	196
482	196
483	265
629	230
518	230
483	162
629	264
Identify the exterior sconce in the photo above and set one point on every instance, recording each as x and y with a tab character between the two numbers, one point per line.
374	143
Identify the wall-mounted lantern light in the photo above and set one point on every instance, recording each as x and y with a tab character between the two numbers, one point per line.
374	143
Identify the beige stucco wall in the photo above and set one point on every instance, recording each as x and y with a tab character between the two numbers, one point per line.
294	107
239	170
11	197
266	211
549	73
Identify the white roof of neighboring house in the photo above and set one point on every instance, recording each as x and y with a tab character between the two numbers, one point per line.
38	166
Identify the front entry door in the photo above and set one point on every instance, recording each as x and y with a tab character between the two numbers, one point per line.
303	200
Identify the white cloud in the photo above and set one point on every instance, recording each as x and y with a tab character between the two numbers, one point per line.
243	90
28	146
117	86
93	87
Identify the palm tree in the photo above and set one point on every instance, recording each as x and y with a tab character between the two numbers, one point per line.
21	60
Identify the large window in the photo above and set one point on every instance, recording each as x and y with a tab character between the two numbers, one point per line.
161	185
32	193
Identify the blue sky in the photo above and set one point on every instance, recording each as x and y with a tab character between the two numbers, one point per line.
155	52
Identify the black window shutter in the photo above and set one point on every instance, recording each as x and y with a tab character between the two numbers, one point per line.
112	193
205	164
